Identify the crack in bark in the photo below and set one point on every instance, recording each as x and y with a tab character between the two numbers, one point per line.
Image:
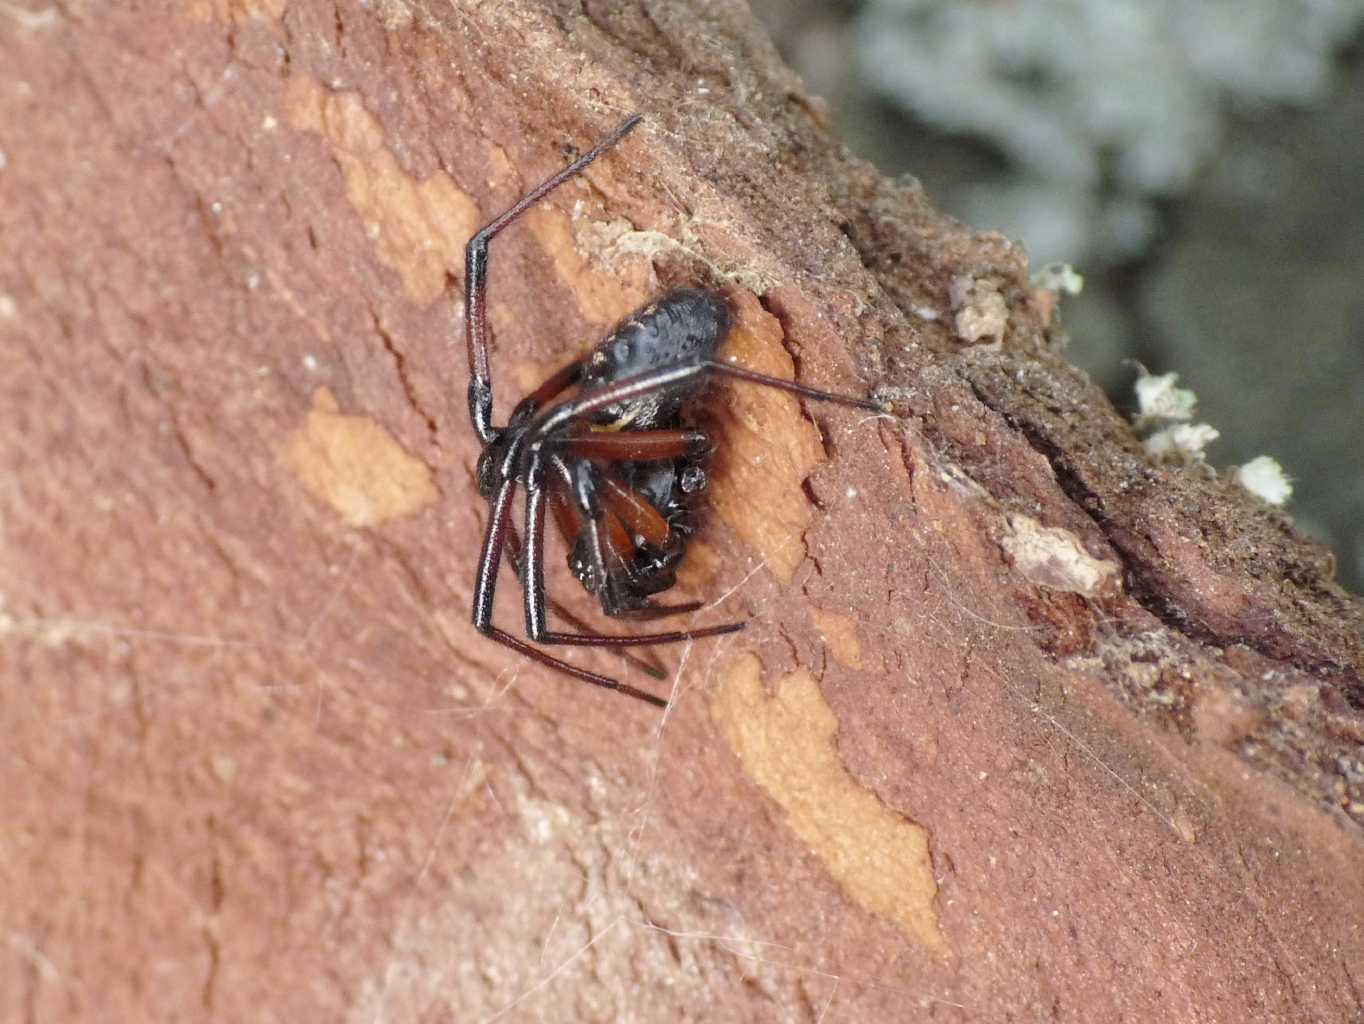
216	898
1144	584
177	430
405	379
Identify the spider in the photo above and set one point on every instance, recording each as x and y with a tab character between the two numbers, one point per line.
605	444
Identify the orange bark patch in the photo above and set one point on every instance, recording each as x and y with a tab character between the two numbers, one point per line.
603	294
787	745
769	446
235	12
840	636
418	227
355	466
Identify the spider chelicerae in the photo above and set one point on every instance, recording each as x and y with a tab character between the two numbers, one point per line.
606	444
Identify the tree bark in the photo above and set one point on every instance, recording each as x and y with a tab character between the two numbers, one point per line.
1022	725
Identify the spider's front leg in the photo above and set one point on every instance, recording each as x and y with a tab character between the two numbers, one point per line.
476	281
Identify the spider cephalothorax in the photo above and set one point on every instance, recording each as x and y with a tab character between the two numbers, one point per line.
606	444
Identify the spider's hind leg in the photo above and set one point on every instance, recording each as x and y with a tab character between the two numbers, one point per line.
514	549
498	533
653	610
591	510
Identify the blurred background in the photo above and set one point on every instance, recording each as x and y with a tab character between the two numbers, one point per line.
1199	162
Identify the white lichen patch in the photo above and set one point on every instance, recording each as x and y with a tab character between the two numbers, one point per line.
1054	558
1160	401
1069	93
1165	408
1183	442
1061	278
1265	478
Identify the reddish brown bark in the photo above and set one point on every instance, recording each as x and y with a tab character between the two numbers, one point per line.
1022	726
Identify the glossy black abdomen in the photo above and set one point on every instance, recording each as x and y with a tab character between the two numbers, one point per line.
683	327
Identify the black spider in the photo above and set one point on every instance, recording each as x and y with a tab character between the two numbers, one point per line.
614	460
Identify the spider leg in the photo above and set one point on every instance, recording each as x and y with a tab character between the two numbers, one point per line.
476	281
534	584
653	610
625	507
485	585
753	377
636	445
539	435
630	510
490	557
558	417
633	512
560	380
514	556
605	682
